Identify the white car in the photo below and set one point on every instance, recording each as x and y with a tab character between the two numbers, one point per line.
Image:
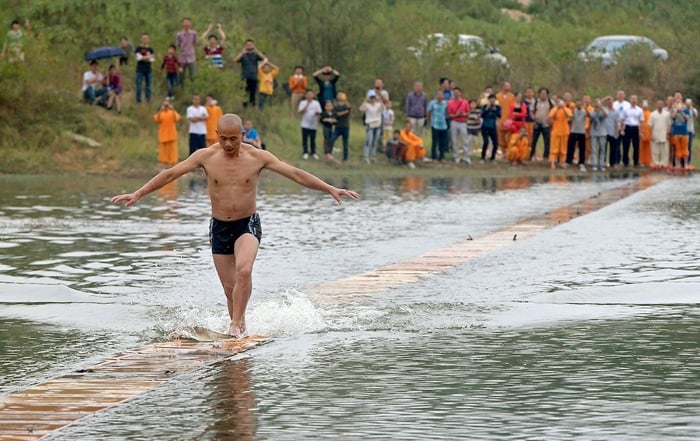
606	48
469	47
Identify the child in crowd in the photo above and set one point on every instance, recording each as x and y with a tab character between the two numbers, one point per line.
172	66
473	124
387	121
328	120
167	119
518	147
251	136
395	148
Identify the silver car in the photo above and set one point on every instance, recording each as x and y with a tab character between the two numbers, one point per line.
470	47
606	48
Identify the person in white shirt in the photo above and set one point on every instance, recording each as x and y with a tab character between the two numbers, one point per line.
631	118
309	109
197	115
373	108
92	84
620	102
660	123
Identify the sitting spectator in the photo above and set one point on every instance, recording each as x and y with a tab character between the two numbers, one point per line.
172	67
518	147
328	121
113	81
396	149
267	72
92	79
251	136
215	49
414	145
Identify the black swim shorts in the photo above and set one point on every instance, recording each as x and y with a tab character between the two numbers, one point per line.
224	234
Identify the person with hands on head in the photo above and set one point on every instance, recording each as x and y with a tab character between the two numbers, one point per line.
214	47
326	77
233	171
249	57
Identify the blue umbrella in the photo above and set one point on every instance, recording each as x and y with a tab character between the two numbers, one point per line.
104	52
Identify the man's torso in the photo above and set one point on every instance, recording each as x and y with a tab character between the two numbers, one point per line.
232	181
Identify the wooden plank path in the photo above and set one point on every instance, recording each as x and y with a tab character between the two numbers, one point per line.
34	412
433	262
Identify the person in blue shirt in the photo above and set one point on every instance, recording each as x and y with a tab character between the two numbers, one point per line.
490	114
250	135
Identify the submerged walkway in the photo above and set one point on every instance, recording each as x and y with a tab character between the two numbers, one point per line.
34	412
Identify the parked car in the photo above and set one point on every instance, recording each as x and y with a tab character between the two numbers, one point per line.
468	47
607	48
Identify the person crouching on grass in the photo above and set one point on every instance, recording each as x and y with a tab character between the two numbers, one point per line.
518	147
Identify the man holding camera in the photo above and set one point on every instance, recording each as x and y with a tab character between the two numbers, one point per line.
249	57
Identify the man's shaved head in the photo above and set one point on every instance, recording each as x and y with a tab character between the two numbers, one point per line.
229	120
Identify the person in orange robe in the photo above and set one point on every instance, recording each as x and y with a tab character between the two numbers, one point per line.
518	147
645	136
560	115
167	119
505	98
214	112
414	145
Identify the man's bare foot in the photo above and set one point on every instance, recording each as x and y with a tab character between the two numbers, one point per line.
236	331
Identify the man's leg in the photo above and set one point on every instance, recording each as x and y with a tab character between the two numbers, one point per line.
236	275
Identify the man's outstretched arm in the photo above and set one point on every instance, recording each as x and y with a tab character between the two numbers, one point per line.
160	180
306	179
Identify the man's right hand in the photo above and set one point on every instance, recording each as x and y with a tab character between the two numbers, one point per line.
128	199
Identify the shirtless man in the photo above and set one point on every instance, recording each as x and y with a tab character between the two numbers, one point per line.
233	170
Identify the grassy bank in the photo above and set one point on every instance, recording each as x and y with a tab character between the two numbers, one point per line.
41	111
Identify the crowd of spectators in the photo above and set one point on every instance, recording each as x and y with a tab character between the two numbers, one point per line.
599	132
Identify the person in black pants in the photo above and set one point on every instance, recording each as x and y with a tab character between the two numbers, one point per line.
631	118
490	114
249	57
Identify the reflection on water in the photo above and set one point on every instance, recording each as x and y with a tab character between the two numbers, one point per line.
620	380
463	354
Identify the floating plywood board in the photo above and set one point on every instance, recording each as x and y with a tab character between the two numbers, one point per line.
32	413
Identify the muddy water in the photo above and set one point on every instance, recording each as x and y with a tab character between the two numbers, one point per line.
587	331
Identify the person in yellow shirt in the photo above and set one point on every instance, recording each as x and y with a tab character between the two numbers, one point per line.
167	119
505	98
560	115
214	112
414	145
266	82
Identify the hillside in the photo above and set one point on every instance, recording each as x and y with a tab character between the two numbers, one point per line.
41	109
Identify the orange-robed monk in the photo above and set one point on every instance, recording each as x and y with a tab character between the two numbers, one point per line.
233	171
167	119
560	115
414	144
518	147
